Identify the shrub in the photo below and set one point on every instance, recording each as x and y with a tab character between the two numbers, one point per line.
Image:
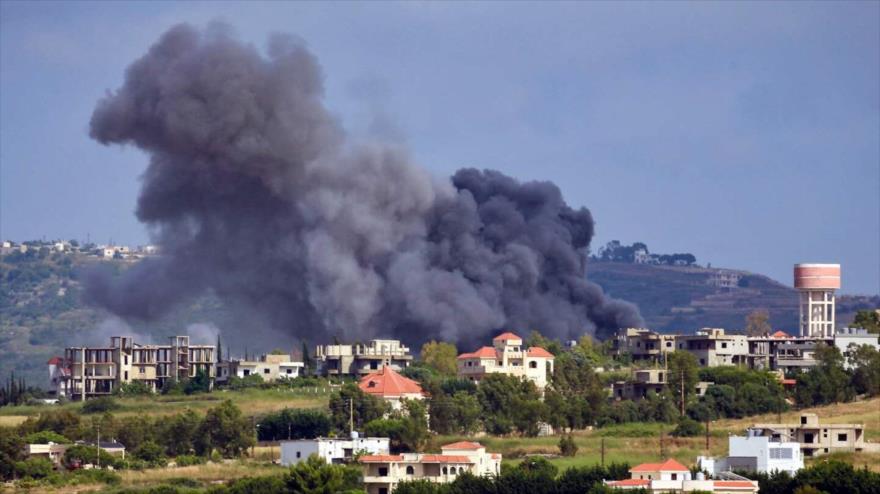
80	454
133	388
100	405
34	468
687	427
567	446
187	460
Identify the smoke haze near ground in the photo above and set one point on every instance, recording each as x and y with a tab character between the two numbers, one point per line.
255	193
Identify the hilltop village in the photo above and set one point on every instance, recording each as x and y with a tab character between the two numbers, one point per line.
388	411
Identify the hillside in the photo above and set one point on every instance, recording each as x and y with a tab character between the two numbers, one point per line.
41	309
682	299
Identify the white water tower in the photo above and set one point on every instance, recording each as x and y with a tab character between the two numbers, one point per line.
816	284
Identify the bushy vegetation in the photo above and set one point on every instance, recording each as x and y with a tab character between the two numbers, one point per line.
294	424
830	477
831	382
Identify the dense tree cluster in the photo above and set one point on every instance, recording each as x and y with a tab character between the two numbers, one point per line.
223	431
831	382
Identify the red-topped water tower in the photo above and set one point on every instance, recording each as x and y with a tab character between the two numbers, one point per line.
816	284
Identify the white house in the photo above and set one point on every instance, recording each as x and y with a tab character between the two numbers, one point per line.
332	450
382	473
507	356
270	367
672	476
756	454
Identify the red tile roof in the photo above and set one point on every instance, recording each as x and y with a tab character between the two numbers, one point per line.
445	459
537	351
485	352
789	382
629	482
389	384
462	445
506	336
669	465
780	334
734	483
380	458
54	361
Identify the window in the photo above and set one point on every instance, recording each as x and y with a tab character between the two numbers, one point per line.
841	437
781	454
142	369
445	471
410	470
674	476
702	362
383	471
452	470
298	454
126	375
723	345
668	344
247	372
803	420
290	371
533	364
265	371
374	365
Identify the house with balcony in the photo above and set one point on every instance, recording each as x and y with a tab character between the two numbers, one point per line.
361	359
270	367
713	348
507	355
382	473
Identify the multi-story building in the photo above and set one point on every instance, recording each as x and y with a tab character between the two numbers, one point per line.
672	476
755	454
331	449
644	344
95	371
507	356
391	387
382	473
361	359
814	438
712	347
646	381
270	367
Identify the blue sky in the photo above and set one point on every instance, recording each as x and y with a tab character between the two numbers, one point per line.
747	133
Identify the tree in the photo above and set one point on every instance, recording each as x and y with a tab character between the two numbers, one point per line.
440	356
509	403
34	468
201	383
539	340
351	400
181	433
827	382
225	429
313	476
308	364
683	374
11	451
219	349
865	364
868	319
151	453
294	424
758	323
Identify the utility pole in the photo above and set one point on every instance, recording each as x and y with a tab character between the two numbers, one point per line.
98	446
350	416
603	451
662	452
707	436
682	391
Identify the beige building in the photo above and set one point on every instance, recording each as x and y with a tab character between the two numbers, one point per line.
712	347
644	344
646	381
361	359
507	355
382	473
96	371
815	438
270	367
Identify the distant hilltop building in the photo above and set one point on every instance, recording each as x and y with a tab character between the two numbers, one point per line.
86	372
507	355
361	359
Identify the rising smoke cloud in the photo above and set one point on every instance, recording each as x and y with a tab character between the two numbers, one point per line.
256	194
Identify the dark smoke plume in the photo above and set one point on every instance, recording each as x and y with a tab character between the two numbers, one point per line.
255	194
